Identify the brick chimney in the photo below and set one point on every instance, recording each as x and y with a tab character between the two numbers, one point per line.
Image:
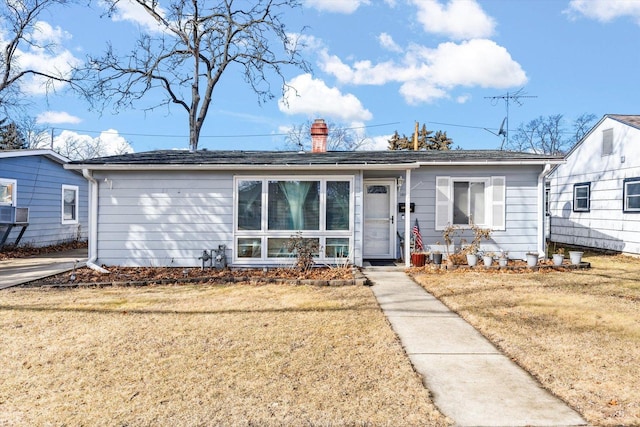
319	133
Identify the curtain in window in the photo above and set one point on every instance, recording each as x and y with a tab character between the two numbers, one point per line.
294	205
69	204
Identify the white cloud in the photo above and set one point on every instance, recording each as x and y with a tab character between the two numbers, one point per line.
427	74
314	98
43	53
605	10
76	146
336	6
129	11
386	41
459	19
57	117
378	143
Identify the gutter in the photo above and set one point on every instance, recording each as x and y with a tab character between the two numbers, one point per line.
541	213
307	166
93	222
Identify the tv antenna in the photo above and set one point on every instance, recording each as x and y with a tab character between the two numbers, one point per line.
508	98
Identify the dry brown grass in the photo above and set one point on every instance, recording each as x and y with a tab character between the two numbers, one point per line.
577	332
204	355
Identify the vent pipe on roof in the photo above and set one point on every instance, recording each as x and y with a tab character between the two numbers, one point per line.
319	133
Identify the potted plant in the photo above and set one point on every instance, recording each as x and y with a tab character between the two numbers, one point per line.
532	259
576	257
558	257
503	259
472	259
436	255
487	258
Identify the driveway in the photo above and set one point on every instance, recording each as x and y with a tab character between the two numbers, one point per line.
14	272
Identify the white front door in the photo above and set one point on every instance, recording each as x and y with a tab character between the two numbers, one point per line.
379	219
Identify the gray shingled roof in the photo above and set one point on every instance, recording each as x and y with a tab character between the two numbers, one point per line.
631	120
274	158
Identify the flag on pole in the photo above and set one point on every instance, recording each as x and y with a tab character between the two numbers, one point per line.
417	237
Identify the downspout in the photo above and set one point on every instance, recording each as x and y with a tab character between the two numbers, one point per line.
541	213
93	222
407	221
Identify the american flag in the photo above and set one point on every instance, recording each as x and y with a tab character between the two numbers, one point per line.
417	237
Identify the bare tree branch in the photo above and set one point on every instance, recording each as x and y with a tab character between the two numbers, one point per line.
196	43
19	19
548	135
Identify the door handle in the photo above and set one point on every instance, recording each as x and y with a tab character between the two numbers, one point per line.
391	219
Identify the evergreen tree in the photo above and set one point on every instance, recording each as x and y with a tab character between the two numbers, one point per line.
10	136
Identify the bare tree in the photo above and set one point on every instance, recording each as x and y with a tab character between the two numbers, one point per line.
340	138
196	42
19	19
548	135
82	147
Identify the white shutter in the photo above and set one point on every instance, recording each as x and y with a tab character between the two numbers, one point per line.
498	205
443	203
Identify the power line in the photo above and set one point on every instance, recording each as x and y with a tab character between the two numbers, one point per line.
212	136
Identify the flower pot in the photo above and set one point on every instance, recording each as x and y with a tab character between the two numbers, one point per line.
558	259
576	257
532	260
488	260
472	260
418	260
502	262
437	258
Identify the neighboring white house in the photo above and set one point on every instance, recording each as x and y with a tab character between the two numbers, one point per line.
41	203
595	195
163	208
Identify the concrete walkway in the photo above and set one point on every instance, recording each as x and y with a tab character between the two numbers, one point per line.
17	271
472	382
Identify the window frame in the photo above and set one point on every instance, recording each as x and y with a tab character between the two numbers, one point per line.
607	142
494	198
76	189
14	191
264	233
625	205
577	186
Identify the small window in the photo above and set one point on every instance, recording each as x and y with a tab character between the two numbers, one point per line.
581	197
69	204
607	142
468	203
631	195
8	192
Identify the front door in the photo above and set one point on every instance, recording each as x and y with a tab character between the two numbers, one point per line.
379	219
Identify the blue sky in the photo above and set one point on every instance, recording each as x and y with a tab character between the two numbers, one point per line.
379	66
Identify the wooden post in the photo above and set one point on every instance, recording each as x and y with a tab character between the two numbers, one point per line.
415	138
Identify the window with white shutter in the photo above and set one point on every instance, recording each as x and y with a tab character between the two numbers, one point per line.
465	201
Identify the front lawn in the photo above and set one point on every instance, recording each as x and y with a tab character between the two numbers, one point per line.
577	332
204	355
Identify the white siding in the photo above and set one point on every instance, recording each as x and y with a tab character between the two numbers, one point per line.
605	226
521	210
169	218
162	218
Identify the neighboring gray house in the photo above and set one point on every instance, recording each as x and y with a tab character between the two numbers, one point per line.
595	195
41	199
163	208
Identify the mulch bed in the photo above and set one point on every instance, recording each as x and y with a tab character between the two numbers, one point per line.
144	276
11	252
